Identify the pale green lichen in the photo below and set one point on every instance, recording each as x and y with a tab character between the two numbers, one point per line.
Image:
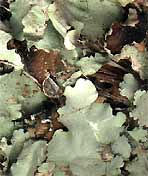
4	155
129	86
78	148
90	65
11	151
140	111
50	40
138	166
122	147
34	23
9	55
17	16
27	21
139	134
84	17
124	2
32	155
46	168
97	142
18	92
7	129
138	58
17	143
75	96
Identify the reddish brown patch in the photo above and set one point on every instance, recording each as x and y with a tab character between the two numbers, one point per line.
123	34
114	40
107	81
41	63
43	129
55	123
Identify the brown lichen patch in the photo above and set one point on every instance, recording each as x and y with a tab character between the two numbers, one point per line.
41	63
45	128
121	36
107	81
134	29
42	129
56	124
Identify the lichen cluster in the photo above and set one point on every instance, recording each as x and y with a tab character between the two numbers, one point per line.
73	88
